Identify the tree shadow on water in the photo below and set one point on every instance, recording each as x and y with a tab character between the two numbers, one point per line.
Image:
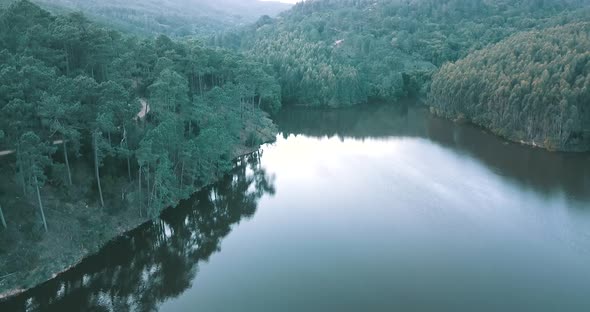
159	260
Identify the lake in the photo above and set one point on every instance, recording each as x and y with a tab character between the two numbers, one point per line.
381	208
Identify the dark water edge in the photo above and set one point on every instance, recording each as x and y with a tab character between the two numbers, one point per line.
580	146
137	250
524	164
130	227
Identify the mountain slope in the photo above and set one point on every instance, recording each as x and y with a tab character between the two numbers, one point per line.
339	53
170	17
80	143
533	87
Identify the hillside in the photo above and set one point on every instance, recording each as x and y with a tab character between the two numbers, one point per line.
85	161
533	87
341	53
171	17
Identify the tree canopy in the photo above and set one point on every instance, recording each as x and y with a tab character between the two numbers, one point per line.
344	52
533	87
156	118
176	18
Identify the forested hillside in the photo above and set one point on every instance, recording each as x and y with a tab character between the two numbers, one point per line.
176	18
533	87
106	126
343	52
100	130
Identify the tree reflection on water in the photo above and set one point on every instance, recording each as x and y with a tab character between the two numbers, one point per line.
160	259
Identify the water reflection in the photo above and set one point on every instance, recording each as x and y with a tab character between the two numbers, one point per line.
159	260
409	213
356	122
544	172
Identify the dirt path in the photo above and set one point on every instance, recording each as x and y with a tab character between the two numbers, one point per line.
145	108
8	152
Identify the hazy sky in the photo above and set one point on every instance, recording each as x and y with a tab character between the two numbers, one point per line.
285	1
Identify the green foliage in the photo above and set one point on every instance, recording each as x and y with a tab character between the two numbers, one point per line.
171	111
252	140
170	17
33	158
344	52
532	87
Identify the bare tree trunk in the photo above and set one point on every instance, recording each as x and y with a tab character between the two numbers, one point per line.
23	180
2	218
140	198
153	197
127	153
241	108
148	188
181	175
193	180
67	162
96	170
129	167
20	169
67	60
154	190
40	204
200	85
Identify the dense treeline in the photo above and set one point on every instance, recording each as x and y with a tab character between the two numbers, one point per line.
533	87
156	118
342	52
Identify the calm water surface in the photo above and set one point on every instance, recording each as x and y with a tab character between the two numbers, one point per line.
379	209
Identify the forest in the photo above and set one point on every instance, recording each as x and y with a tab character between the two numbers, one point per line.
346	52
118	126
168	243
342	53
111	111
175	18
533	87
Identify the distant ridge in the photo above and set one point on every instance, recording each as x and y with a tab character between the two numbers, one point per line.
177	18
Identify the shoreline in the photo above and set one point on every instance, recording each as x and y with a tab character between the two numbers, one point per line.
579	149
131	225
